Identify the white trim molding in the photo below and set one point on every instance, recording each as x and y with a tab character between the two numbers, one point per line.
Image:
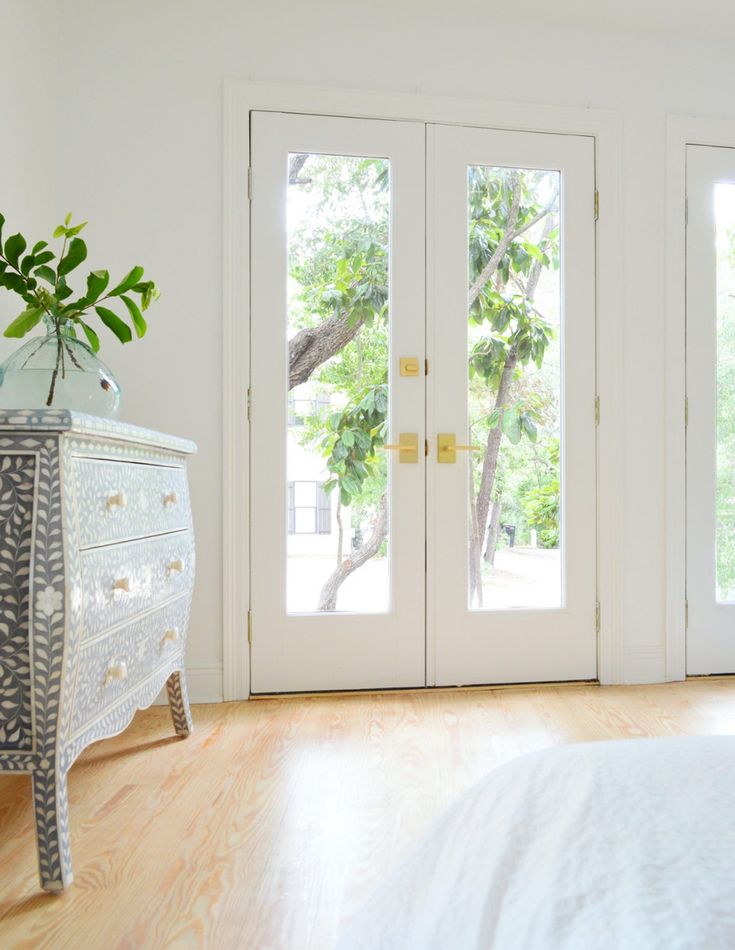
241	98
680	132
205	685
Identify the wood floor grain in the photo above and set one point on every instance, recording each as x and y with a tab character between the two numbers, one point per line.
274	820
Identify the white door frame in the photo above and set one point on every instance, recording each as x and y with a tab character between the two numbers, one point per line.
680	132
242	97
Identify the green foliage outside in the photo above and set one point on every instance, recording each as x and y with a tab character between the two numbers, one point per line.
338	265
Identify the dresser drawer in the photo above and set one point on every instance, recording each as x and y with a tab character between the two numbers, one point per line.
114	501
121	580
112	666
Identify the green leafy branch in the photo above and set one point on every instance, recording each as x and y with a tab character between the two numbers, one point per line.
350	440
39	277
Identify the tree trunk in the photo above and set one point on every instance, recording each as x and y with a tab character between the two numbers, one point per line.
313	346
487	480
511	233
493	531
340	532
369	548
475	565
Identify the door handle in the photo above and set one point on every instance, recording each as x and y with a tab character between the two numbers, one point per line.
447	448
407	447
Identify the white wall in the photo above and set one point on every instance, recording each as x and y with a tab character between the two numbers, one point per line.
139	153
27	128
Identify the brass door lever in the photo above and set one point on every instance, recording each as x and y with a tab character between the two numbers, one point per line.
447	448
407	447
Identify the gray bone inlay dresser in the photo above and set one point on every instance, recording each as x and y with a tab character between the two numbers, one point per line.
96	578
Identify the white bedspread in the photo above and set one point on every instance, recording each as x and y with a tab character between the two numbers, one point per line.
615	845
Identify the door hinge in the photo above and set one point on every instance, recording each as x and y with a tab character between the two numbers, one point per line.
250	626
686	411
597	617
426	367
250	404
597	204
597	410
686	614
250	184
426	448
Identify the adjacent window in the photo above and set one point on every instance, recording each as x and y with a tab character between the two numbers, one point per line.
309	510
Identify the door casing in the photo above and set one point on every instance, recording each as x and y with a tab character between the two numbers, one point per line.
242	97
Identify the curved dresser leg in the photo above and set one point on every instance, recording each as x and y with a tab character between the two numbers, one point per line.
178	701
51	806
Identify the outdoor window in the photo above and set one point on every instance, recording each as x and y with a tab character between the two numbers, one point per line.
309	511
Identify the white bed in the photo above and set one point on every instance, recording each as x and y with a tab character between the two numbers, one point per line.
623	845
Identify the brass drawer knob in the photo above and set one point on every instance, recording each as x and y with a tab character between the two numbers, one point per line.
176	566
122	583
171	635
118	671
118	500
170	499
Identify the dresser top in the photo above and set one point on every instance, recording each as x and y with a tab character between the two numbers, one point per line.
77	423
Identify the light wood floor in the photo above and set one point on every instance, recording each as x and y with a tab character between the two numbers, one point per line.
273	821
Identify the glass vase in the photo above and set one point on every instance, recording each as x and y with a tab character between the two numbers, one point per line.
58	371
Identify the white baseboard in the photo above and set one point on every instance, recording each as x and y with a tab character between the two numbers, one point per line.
205	685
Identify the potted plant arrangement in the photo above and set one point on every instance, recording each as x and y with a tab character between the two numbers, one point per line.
61	370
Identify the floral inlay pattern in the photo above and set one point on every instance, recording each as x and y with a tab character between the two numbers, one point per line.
49	601
17	475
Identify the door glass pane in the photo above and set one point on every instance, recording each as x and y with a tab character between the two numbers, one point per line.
725	508
514	391
338	342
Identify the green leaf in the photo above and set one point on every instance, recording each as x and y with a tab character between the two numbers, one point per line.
58	232
13	282
46	274
529	427
492	420
97	281
26	264
121	330
43	257
148	293
39	246
70	232
74	256
24	322
512	426
2	223
94	340
137	317
67	220
14	247
127	282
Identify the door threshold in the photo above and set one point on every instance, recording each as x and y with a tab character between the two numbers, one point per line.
709	676
487	687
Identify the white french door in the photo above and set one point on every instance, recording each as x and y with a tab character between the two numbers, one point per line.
386	551
530	616
337	300
710	440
